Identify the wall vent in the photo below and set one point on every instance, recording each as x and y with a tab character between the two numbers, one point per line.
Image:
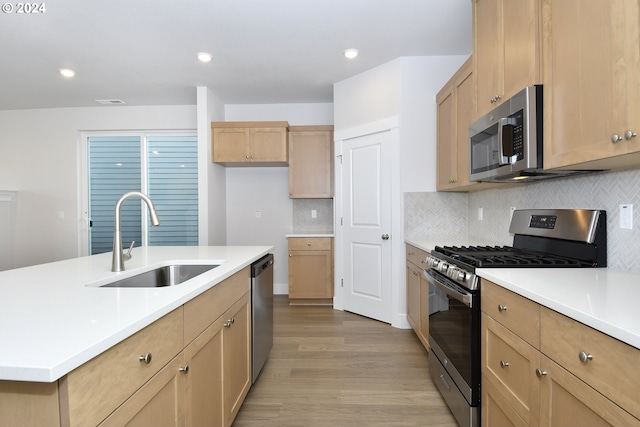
110	101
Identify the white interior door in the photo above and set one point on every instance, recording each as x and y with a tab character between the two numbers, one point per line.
366	193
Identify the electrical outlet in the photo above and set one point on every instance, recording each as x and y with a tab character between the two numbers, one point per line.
626	216
314	214
258	214
480	214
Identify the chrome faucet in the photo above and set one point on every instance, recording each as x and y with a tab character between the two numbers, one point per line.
117	263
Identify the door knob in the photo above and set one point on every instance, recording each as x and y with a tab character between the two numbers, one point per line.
385	237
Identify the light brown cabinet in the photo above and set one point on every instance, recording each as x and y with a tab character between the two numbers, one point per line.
417	294
311	270
506	49
591	76
250	143
191	367
456	111
310	162
533	374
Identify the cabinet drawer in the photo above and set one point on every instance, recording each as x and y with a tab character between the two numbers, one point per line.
416	256
613	368
509	363
310	243
91	392
518	314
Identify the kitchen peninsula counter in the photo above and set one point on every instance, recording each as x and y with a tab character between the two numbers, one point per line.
55	317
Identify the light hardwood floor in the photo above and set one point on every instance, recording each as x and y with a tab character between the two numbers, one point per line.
333	368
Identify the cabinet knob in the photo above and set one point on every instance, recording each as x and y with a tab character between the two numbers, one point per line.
146	358
246	157
502	308
184	369
540	373
616	138
229	323
503	364
630	134
308	243
585	357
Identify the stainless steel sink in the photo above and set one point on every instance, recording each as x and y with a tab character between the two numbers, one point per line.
170	275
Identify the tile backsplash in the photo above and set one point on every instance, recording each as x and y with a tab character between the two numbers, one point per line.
302	218
455	215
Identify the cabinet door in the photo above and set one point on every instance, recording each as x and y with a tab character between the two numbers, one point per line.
496	410
310	274
160	402
567	401
446	144
204	391
236	345
506	49
465	95
585	76
230	145
310	164
424	311
488	52
268	145
413	297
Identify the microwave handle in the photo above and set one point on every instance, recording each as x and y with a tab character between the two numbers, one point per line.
505	160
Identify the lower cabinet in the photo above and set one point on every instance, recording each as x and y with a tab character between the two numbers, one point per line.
536	369
417	294
192	367
311	270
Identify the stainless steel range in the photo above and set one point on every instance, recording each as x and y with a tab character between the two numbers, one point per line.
550	238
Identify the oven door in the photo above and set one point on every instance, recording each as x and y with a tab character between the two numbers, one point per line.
454	333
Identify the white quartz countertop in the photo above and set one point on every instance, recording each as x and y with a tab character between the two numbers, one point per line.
51	322
602	298
309	235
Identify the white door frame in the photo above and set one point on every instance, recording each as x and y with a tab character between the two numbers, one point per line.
398	268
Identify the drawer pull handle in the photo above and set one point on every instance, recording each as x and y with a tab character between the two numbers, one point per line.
146	358
184	369
446	383
503	364
585	357
540	373
502	308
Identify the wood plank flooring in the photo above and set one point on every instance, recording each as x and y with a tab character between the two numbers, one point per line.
333	368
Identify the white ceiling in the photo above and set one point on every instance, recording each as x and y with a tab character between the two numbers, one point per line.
264	51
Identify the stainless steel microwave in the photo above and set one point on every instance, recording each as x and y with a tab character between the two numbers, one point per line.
506	144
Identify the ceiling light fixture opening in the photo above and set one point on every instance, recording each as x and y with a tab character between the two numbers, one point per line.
66	72
350	53
204	57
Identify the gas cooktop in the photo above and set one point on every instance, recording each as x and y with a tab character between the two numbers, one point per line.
505	256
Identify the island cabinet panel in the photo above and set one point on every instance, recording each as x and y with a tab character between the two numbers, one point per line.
29	404
91	392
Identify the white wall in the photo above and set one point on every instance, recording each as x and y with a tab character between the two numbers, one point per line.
251	189
212	181
401	91
39	160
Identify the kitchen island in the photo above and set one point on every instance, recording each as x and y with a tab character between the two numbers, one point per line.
57	320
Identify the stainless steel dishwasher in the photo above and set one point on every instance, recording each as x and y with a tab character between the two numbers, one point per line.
261	312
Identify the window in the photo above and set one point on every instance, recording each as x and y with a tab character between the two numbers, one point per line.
162	166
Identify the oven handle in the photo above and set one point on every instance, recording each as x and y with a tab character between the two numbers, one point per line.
464	298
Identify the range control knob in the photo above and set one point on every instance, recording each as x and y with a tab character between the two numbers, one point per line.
461	276
443	267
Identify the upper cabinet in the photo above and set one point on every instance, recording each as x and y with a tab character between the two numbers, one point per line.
310	162
250	143
456	110
506	47
591	76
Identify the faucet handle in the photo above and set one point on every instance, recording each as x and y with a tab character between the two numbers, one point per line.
128	254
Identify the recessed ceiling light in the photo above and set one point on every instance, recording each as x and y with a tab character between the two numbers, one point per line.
204	56
350	53
67	72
